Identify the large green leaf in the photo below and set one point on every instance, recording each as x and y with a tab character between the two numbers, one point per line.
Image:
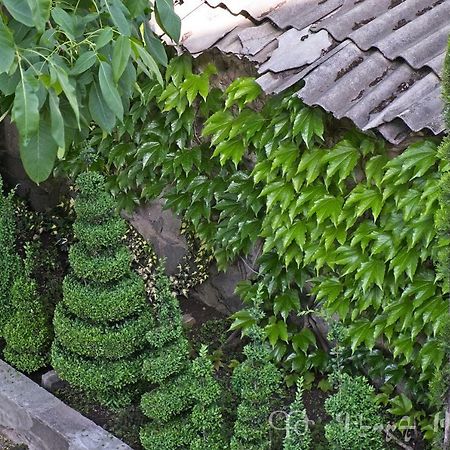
154	46
66	22
25	112
85	61
7	47
56	118
20	10
38	153
40	10
118	17
100	112
109	90
121	55
167	19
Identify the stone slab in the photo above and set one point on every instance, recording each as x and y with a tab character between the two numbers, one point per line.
30	414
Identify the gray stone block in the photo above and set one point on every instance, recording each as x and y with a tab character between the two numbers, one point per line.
51	381
30	414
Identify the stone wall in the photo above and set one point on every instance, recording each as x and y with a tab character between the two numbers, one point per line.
31	415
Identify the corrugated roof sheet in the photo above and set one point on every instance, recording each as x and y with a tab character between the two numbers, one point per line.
376	62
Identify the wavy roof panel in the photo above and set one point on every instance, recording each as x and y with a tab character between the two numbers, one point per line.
376	62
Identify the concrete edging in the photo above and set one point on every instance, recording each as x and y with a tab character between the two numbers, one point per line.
43	422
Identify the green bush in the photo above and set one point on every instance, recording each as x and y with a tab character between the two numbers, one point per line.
168	369
255	381
9	260
28	333
100	325
356	423
298	434
206	415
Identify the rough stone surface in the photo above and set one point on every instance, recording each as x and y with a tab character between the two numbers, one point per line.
162	229
188	321
30	414
51	381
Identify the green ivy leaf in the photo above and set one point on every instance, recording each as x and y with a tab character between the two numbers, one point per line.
308	122
371	272
405	261
286	303
342	159
327	206
276	330
233	149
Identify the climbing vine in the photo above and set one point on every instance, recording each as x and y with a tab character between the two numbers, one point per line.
335	222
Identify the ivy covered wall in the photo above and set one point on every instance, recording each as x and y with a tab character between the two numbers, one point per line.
343	226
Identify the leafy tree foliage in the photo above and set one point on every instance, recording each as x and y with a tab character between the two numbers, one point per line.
339	226
68	65
298	434
206	416
27	333
9	260
167	368
101	323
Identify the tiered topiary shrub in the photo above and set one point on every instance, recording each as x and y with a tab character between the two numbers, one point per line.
206	416
256	381
9	260
298	434
28	333
168	404
101	323
356	422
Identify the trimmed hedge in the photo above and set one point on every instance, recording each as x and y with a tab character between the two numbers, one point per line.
101	267
103	235
101	324
173	435
104	341
113	302
96	375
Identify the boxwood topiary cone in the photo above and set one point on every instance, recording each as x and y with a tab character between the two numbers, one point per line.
168	369
27	334
100	324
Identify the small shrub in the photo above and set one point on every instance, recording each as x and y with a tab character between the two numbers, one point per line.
28	332
356	422
9	260
256	380
206	416
167	367
298	434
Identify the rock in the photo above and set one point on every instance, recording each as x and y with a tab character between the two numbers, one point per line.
162	229
51	381
188	321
